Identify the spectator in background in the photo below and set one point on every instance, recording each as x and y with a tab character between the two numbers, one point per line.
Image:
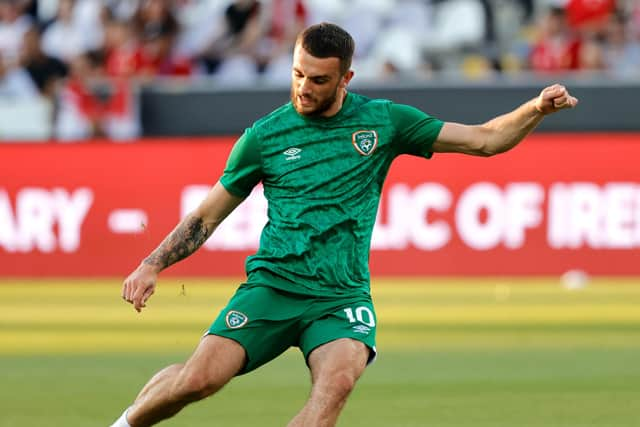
158	56
590	16
122	49
239	34
398	50
15	82
284	19
89	17
30	8
621	51
200	22
13	25
557	48
155	16
157	30
634	20
45	71
64	38
91	105
367	20
591	55
123	10
528	9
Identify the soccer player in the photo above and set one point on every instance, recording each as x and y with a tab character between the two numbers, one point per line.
322	159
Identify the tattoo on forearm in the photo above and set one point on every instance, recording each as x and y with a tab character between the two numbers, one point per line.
187	237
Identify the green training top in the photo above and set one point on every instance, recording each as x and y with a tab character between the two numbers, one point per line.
322	178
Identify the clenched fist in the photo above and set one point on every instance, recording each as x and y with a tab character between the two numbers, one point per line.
554	98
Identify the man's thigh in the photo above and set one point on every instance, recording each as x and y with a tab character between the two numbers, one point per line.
331	320
265	322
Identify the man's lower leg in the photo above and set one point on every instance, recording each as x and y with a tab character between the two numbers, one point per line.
320	411
213	364
156	401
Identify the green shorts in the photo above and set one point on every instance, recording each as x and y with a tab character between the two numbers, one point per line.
267	321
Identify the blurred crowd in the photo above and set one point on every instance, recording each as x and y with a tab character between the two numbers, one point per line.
83	54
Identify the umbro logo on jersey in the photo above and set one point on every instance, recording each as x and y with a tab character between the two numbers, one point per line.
292	153
365	141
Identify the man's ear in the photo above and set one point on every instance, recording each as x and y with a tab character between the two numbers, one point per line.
346	78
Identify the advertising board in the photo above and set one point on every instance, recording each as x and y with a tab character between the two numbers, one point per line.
555	203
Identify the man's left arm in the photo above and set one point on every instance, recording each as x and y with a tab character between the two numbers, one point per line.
503	132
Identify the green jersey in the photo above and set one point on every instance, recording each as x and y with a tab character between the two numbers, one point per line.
322	178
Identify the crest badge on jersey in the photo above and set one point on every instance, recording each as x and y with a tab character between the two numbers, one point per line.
235	319
365	141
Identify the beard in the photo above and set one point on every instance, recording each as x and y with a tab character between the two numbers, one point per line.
321	107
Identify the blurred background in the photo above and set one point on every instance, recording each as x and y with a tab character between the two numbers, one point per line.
507	289
78	69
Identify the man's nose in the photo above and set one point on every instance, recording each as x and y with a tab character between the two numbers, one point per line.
304	87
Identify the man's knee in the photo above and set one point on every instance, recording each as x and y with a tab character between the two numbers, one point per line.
215	362
338	384
343	383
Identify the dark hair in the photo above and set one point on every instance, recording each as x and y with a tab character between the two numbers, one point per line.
327	40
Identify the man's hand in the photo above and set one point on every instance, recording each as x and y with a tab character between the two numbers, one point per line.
554	98
139	286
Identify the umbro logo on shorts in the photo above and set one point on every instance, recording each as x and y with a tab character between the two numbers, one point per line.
362	329
235	319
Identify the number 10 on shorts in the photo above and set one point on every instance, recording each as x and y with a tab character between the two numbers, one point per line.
361	314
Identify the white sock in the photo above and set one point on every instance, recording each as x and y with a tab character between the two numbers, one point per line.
122	421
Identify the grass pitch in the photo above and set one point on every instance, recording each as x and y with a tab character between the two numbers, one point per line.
482	353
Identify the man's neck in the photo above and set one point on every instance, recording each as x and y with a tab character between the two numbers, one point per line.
337	106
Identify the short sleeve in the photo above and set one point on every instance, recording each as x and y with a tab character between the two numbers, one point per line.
244	166
416	131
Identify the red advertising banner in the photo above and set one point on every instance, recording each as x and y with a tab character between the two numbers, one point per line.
555	203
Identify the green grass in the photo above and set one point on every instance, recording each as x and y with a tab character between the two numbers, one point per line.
490	352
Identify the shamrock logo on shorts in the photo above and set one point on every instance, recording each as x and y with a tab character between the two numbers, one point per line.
235	319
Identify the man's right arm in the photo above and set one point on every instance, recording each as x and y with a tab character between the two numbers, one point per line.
185	239
242	173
